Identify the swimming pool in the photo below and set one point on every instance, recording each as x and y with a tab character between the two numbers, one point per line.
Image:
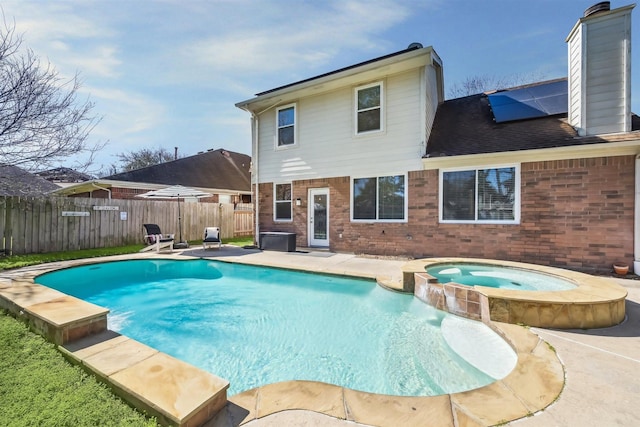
495	276
255	326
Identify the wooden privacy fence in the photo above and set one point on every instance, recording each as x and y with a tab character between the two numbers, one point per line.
49	224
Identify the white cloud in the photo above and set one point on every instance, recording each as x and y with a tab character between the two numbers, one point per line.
58	33
126	112
313	38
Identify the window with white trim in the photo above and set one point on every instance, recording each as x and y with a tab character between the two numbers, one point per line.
282	202
369	108
487	195
379	199
286	126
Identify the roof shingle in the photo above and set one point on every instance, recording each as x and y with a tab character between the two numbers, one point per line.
219	168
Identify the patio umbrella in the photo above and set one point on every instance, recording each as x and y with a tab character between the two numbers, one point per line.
175	192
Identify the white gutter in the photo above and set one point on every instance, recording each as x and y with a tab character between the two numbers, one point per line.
636	222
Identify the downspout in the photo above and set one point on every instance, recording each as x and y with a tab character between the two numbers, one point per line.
636	222
256	127
254	168
100	188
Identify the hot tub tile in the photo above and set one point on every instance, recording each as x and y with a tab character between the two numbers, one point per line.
603	314
499	310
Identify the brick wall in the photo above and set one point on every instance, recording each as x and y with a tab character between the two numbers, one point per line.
574	213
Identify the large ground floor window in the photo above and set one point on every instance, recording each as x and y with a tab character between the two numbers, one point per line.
379	198
488	195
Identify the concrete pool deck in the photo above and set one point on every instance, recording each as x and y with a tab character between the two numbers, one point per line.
601	367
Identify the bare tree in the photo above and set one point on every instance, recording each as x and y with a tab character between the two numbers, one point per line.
482	83
142	159
41	120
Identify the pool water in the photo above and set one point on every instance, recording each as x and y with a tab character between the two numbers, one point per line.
254	326
498	277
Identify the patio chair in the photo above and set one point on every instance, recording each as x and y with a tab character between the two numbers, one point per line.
155	240
211	237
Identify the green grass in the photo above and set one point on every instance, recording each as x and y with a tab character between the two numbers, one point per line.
17	261
39	387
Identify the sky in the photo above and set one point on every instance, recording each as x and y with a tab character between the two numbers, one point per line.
168	73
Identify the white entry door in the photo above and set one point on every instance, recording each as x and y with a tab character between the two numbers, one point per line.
319	217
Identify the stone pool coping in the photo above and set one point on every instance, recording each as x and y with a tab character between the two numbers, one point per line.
595	302
135	372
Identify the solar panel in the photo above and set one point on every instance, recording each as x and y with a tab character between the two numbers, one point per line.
541	100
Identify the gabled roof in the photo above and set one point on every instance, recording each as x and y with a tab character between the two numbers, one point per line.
412	46
15	181
413	57
212	169
467	126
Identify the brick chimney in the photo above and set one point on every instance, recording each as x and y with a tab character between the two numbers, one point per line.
600	70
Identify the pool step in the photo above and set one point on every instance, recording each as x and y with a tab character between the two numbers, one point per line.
58	317
175	392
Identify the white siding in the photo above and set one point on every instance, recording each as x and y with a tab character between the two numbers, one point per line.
575	78
326	143
605	71
599	73
432	100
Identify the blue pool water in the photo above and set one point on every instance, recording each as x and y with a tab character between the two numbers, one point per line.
498	277
254	326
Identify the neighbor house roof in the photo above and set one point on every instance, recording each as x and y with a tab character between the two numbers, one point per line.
212	169
64	175
15	181
466	125
216	171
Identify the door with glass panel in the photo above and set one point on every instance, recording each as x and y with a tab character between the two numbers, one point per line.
319	217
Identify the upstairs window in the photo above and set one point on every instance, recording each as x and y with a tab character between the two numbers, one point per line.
379	198
282	202
286	117
480	195
369	108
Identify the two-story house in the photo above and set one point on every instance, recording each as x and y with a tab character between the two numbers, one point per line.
371	159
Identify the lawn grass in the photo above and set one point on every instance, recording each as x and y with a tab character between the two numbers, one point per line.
39	387
17	261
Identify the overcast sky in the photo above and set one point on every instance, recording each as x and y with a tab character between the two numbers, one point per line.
167	73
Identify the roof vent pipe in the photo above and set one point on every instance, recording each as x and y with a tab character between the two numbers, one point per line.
603	6
415	45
